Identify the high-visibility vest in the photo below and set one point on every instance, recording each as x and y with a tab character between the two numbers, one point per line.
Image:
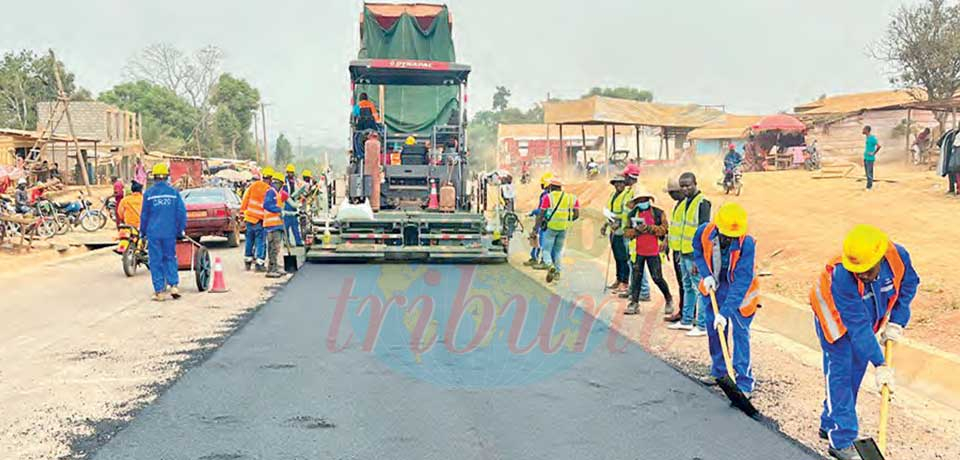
130	207
373	108
713	257
560	219
273	219
683	226
618	206
825	309
252	205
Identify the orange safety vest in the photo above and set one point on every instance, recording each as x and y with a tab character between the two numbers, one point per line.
130	207
821	297
711	253
373	108
252	205
273	219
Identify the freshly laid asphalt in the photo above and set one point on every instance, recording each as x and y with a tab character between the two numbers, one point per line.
275	390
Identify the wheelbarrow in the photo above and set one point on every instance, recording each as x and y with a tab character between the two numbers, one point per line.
191	255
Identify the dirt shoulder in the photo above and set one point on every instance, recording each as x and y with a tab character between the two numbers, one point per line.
82	348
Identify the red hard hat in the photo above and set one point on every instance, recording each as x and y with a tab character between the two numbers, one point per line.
631	170
732	146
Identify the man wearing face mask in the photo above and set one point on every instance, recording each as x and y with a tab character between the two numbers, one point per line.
725	256
867	290
646	225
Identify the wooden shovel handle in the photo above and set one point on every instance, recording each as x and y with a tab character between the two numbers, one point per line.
885	400
723	339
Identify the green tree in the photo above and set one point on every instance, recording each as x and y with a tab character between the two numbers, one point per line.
168	120
501	99
26	79
235	100
283	152
922	49
621	92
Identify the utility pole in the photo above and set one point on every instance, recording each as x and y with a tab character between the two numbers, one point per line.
266	142
256	134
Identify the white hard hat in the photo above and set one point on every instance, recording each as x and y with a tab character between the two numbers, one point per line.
22	181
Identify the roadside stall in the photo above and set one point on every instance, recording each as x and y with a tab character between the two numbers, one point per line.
776	142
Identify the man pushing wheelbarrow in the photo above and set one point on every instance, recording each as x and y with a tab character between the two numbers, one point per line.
163	220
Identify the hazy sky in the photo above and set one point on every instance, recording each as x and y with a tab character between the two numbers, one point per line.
754	56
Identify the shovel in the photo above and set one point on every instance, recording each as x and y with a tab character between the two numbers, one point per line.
867	447
290	263
728	383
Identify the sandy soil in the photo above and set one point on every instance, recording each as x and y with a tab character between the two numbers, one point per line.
805	219
82	347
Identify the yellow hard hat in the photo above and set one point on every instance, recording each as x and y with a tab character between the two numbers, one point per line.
545	179
863	248
307	173
410	140
277	175
291	168
731	220
160	169
267	172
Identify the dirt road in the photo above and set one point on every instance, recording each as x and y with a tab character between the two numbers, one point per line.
81	346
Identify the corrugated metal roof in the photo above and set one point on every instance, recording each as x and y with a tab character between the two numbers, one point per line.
600	110
730	127
36	135
849	103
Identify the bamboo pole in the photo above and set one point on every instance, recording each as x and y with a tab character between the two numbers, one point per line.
63	99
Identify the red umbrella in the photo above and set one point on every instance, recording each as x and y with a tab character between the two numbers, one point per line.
779	122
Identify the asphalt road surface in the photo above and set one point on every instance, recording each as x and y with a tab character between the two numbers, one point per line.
307	379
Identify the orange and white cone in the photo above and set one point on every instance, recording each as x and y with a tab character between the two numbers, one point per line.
434	202
219	285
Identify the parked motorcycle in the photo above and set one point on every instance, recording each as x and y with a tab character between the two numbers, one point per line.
81	213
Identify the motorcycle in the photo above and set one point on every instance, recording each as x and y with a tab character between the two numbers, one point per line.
733	181
811	159
81	213
525	177
593	171
133	250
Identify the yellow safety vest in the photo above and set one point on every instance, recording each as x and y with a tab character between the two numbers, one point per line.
618	206
560	219
683	226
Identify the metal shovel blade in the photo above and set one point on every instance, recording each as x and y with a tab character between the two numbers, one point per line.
867	448
739	400
290	263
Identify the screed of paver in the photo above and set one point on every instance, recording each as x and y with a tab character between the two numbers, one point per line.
312	377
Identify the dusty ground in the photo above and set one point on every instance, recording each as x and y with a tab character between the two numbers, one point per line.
806	218
82	347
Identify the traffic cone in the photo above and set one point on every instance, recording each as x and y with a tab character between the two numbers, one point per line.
434	198
219	285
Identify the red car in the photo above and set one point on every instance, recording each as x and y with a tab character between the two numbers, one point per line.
213	211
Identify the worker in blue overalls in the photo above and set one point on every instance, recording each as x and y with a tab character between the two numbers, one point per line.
864	292
163	219
291	208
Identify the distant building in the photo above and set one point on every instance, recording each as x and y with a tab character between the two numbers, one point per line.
836	122
540	144
118	135
713	138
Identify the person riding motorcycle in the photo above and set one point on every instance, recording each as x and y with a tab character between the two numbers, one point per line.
21	197
593	169
731	161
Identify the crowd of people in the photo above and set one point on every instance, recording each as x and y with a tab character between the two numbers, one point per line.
860	301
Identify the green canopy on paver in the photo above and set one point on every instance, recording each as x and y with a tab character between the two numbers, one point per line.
410	109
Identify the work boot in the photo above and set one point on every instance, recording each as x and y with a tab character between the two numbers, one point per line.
174	292
553	274
850	453
158	297
709	380
260	267
274	274
247	264
632	309
823	434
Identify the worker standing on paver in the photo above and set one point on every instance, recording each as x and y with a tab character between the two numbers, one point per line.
688	216
273	225
645	225
868	290
870	148
252	208
558	210
673	189
725	257
618	209
163	220
536	236
291	209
